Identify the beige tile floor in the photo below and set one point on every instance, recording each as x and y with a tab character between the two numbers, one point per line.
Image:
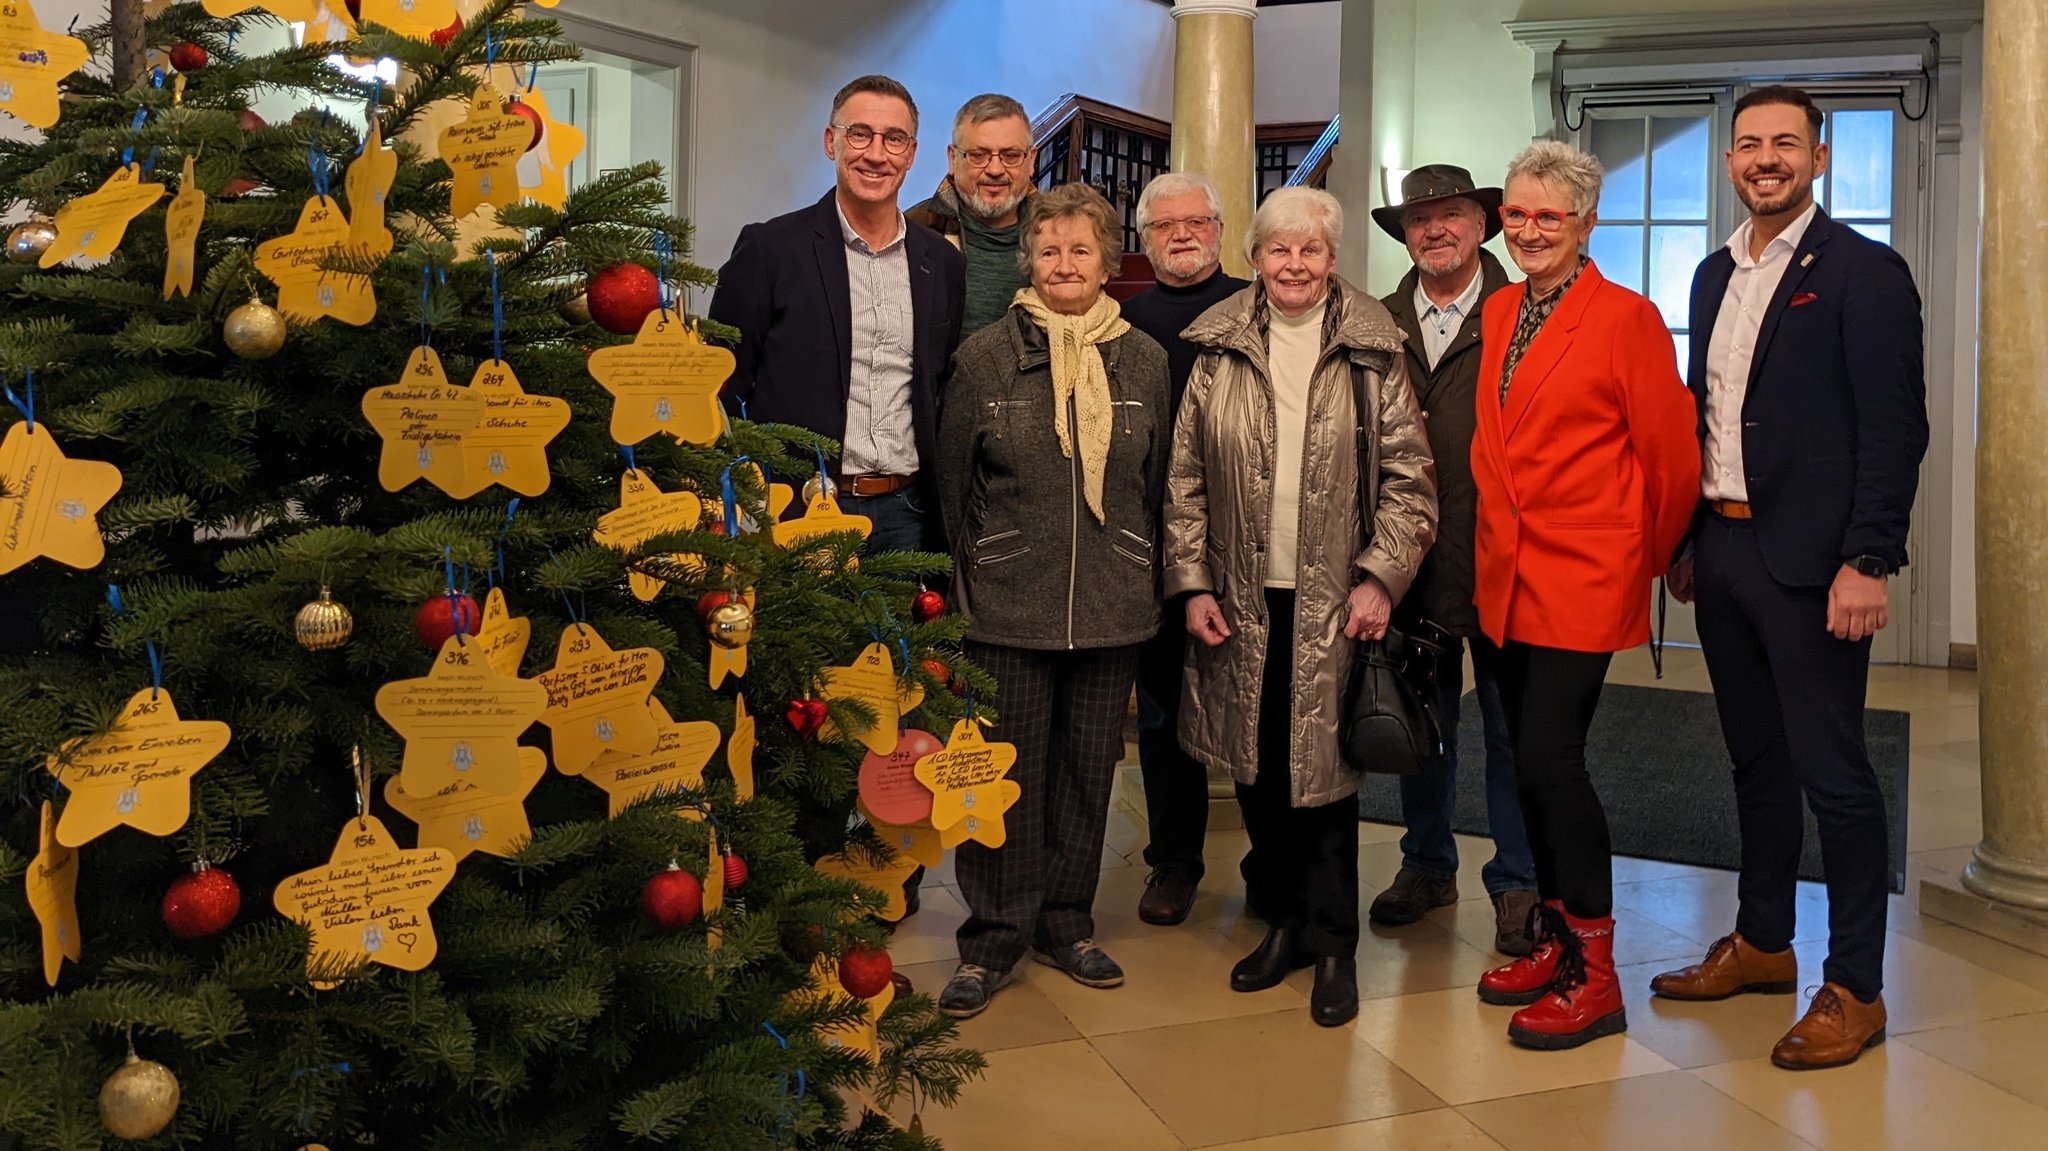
1174	1059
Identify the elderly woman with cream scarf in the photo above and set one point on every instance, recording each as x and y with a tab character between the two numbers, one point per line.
1053	442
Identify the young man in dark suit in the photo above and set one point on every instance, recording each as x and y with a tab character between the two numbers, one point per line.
848	316
1807	369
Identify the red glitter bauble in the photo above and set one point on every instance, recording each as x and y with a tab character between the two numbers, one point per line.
865	971
439	617
672	899
201	902
621	296
188	57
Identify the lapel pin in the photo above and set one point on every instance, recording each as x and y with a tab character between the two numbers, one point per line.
1807	260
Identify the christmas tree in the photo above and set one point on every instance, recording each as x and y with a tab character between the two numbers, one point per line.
281	601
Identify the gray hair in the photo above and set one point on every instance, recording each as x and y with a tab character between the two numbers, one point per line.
1177	184
1563	166
985	107
1294	211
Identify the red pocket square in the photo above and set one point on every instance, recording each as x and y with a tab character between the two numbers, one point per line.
1801	299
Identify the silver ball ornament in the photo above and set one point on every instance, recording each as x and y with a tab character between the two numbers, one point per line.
816	483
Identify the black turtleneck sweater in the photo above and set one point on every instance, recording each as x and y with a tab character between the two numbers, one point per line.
1163	312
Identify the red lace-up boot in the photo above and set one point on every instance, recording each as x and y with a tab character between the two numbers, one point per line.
1584	1001
1528	979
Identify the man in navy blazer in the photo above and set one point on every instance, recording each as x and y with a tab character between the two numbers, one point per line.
1807	368
848	317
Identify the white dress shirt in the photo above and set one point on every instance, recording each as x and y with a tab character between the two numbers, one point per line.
880	439
1441	325
1732	348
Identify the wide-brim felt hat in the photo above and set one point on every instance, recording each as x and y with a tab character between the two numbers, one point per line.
1439	182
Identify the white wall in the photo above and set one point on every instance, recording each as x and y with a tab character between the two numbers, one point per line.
1295	62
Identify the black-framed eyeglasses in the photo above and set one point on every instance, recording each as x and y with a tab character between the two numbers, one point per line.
980	157
895	141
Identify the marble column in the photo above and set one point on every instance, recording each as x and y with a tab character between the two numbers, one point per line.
1213	120
2011	864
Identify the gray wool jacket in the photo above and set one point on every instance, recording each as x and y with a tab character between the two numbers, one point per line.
1032	566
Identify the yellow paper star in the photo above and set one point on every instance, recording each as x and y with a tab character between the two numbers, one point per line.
964	782
296	11
418	19
181	234
681	750
48	502
306	292
645	511
368	182
597	699
664	383
368	902
483	152
33	62
503	638
544	172
463	819
509	443
138	773
870	679
53	896
327	23
986	825
916	840
887	879
862	1036
714	877
739	750
92	225
461	721
821	517
726	661
424	421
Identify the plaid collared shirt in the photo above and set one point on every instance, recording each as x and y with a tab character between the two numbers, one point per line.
1529	321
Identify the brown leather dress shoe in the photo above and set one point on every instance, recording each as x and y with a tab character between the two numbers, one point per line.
1732	967
1836	1028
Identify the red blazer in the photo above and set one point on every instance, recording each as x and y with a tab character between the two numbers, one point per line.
1590	474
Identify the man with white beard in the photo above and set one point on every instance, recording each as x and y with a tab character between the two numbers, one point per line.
977	205
1180	221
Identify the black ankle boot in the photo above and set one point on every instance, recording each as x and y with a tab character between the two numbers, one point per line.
1277	954
1334	1002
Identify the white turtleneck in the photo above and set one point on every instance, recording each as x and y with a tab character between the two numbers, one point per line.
1293	344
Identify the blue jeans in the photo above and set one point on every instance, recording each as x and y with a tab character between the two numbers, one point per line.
1428	797
897	520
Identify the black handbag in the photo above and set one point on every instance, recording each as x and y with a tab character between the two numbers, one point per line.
1391	722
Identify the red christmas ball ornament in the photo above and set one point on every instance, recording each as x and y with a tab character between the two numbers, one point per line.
446	36
527	113
672	899
927	605
865	971
709	602
621	296
735	871
444	615
187	57
805	715
201	902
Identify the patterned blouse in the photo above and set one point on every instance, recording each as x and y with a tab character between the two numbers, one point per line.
1529	321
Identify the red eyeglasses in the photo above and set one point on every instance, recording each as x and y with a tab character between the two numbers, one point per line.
1514	216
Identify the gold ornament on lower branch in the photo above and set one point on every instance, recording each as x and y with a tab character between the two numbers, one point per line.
30	239
139	1099
254	331
323	624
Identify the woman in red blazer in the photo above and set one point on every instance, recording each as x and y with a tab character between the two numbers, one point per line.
1588	471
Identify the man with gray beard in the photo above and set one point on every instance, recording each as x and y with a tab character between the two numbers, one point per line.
1180	220
977	205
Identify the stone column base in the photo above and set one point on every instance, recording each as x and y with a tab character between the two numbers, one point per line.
1945	898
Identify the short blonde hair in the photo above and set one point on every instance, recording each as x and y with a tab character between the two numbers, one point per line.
1070	200
1578	173
1293	211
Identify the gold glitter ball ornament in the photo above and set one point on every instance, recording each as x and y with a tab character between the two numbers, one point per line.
254	331
732	624
30	239
138	1100
324	624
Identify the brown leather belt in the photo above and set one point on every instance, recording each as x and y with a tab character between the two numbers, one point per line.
866	486
1730	509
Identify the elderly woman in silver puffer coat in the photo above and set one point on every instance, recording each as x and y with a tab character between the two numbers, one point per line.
1279	575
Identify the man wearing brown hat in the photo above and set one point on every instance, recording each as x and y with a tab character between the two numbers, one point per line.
1443	218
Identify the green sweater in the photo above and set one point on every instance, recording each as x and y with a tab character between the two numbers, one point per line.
993	276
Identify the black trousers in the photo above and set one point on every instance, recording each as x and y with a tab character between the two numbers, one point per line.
1176	784
1550	695
1306	874
1791	698
1064	711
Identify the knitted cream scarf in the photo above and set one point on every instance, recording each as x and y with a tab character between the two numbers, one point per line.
1077	372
